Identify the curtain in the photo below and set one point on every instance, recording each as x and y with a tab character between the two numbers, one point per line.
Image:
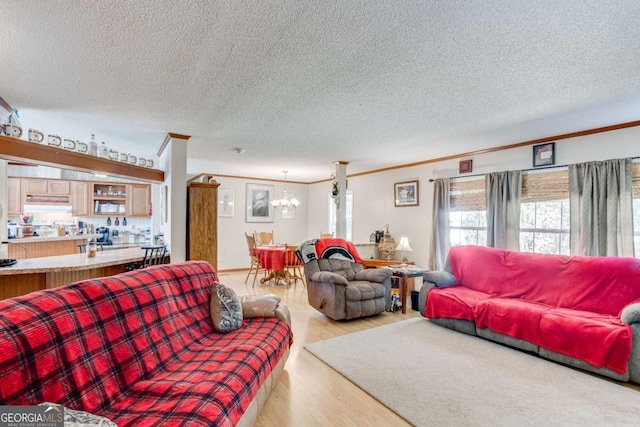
440	234
503	192
601	202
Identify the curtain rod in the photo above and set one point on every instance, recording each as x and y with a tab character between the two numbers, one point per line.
523	170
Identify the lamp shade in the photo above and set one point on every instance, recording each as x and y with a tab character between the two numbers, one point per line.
404	245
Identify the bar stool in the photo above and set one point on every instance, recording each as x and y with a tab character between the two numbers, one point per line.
153	255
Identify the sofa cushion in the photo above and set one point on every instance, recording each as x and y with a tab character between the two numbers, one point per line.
512	317
339	266
598	284
226	309
361	291
453	302
601	340
210	382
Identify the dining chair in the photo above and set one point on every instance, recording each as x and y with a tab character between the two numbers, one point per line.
264	237
293	266
255	261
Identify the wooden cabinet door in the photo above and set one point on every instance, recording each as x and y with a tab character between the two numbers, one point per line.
58	188
202	222
139	196
35	186
14	197
80	198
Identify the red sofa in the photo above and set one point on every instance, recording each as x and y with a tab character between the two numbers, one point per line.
581	311
139	348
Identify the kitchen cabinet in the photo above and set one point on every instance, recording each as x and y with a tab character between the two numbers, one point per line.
108	198
14	202
139	199
80	198
87	198
202	220
111	198
45	191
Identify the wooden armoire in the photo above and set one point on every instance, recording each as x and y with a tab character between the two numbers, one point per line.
202	219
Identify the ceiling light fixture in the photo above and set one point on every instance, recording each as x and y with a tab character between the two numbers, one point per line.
288	202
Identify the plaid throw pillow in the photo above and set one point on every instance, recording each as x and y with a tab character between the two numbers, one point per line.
226	310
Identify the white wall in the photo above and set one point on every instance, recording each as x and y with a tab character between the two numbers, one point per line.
373	193
232	246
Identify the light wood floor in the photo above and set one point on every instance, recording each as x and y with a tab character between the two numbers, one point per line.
311	393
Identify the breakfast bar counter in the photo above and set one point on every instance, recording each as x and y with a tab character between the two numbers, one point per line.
40	246
28	275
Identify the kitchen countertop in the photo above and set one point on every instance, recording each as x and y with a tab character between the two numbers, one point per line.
40	239
54	264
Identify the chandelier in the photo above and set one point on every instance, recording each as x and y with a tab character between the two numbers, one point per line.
288	202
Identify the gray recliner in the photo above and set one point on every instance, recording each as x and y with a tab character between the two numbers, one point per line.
341	288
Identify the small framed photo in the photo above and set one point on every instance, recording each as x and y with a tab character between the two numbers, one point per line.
226	203
405	193
544	154
259	208
465	166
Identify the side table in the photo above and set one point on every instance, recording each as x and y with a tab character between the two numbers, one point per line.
377	262
403	273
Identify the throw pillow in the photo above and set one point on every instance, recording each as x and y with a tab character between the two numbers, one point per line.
259	305
226	310
75	418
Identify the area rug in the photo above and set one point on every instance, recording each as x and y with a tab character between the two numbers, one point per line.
432	376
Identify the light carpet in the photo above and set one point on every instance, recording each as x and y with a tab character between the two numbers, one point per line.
433	376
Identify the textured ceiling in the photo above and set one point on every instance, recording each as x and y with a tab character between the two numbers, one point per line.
300	84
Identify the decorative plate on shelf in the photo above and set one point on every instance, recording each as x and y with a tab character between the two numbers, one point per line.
6	262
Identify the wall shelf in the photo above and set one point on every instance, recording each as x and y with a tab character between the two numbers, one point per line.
30	152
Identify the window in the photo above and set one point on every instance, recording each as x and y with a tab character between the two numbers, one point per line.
544	212
468	214
332	215
544	227
468	228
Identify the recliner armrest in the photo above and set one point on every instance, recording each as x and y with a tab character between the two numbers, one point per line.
377	275
439	278
631	314
329	277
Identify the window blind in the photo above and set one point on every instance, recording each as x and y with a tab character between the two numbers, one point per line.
467	194
545	186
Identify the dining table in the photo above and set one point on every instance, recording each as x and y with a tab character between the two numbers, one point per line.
272	258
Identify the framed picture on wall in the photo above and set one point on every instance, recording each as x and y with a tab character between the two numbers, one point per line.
226	203
258	207
405	193
544	154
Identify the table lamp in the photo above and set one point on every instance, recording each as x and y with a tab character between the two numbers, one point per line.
404	247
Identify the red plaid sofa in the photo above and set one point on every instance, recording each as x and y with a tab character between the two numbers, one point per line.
139	348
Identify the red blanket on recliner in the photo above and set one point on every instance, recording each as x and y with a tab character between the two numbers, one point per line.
570	305
334	248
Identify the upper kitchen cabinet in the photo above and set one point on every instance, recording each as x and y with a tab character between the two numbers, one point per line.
14	202
109	198
80	198
139	199
45	191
